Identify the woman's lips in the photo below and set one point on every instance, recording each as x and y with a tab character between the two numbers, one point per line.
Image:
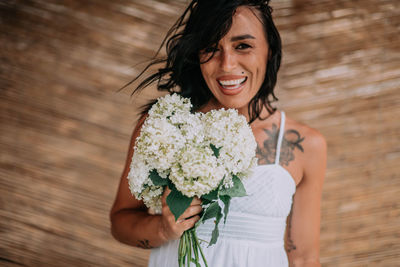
231	85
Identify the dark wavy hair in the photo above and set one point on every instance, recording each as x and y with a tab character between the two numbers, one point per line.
202	25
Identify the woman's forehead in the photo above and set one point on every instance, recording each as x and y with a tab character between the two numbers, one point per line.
245	22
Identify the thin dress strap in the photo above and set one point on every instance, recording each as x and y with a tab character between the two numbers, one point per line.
280	138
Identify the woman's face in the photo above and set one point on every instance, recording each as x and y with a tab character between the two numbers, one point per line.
236	71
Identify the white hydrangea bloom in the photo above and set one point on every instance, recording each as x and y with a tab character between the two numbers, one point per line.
151	197
168	105
141	185
158	143
189	125
228	130
176	143
196	171
138	175
248	172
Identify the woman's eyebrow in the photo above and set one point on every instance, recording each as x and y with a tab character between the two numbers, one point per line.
242	37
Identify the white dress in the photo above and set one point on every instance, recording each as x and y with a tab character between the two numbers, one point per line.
253	234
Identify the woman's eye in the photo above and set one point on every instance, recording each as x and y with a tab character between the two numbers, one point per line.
243	46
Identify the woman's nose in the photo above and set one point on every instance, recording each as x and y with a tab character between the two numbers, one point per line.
228	61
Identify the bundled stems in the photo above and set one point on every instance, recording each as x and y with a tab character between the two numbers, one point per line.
188	243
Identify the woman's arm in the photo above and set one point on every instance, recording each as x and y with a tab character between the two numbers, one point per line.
303	224
130	222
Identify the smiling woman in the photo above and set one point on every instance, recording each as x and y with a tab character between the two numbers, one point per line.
226	54
235	70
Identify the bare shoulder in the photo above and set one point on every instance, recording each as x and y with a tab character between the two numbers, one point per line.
314	154
313	140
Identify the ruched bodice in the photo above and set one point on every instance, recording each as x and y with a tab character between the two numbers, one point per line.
261	215
269	192
253	234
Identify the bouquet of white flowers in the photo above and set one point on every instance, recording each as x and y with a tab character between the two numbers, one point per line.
194	154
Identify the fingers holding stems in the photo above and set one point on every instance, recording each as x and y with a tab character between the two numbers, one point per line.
172	229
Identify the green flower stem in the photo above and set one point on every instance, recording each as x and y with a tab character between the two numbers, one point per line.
181	251
196	250
188	243
185	244
201	251
189	248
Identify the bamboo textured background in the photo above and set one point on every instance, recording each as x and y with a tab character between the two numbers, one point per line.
65	130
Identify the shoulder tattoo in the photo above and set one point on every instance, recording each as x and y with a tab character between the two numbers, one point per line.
291	140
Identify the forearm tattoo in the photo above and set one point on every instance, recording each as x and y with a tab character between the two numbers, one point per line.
291	140
144	244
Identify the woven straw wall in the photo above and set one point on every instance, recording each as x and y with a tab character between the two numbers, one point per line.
65	129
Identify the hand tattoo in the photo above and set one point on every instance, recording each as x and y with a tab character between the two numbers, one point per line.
144	244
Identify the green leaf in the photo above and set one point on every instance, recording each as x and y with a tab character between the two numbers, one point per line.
205	201
227	202
215	232
215	150
210	196
237	190
177	202
171	185
212	211
157	179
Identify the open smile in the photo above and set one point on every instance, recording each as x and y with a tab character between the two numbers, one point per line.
232	84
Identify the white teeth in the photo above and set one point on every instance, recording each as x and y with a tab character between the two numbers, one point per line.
231	82
231	87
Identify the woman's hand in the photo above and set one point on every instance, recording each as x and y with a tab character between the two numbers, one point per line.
172	229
